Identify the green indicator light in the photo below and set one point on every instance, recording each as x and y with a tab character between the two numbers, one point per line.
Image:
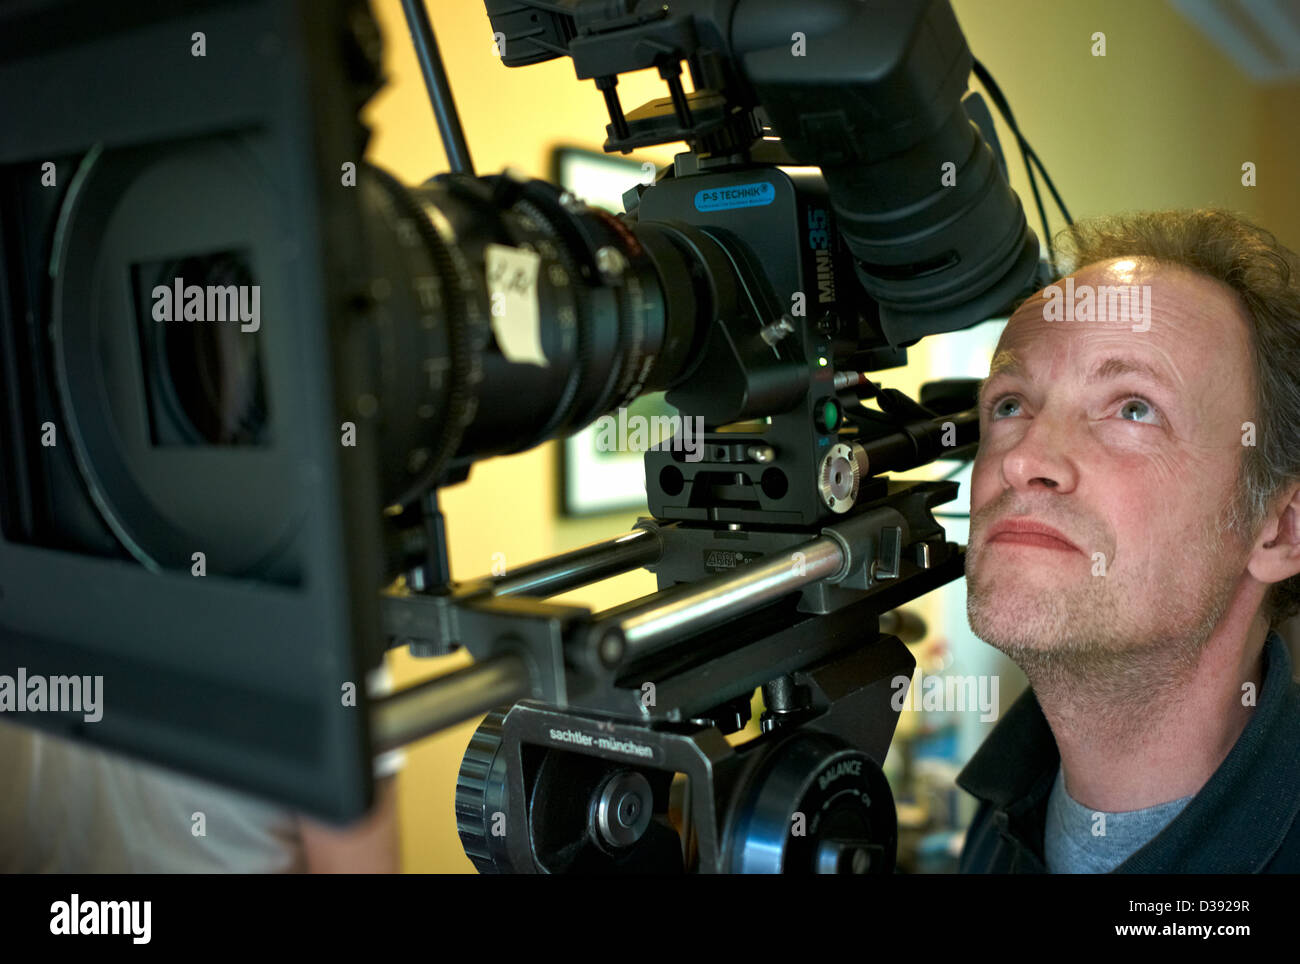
830	415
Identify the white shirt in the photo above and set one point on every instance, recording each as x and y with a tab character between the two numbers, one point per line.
72	808
68	807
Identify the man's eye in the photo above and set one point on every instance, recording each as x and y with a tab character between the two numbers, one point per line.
1135	409
1141	407
997	408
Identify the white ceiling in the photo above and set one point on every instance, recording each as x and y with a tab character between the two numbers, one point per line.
1261	36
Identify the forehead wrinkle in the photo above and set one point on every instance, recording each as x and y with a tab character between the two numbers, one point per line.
1006	362
1117	366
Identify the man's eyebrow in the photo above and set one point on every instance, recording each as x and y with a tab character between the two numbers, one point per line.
1006	363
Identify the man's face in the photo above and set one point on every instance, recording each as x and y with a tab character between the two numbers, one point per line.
1135	469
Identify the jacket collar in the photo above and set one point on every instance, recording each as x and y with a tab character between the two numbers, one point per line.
1249	803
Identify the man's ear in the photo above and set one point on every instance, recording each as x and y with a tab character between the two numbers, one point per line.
1276	555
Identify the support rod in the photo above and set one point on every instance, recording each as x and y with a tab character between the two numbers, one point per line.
435	79
434	705
582	566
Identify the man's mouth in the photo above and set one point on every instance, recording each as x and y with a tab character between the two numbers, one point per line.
1026	532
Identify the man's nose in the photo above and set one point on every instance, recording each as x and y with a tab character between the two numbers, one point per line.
1042	457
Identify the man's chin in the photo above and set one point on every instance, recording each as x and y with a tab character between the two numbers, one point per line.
1014	636
1018	621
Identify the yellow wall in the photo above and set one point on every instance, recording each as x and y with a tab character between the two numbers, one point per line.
1279	163
1162	120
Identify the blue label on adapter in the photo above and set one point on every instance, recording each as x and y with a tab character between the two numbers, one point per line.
737	196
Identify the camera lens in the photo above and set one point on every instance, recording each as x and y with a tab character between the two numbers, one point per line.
203	379
503	313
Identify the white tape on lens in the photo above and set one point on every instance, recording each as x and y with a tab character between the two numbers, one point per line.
512	290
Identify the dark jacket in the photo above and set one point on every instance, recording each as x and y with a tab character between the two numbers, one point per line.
1243	821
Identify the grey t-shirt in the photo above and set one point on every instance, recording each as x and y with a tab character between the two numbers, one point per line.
1080	840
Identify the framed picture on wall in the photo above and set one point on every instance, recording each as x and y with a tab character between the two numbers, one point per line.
595	476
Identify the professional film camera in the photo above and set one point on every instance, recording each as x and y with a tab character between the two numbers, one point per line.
239	364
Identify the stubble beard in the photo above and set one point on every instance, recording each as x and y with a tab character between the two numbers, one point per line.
1100	649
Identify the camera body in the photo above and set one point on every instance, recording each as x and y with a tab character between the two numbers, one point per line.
798	315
